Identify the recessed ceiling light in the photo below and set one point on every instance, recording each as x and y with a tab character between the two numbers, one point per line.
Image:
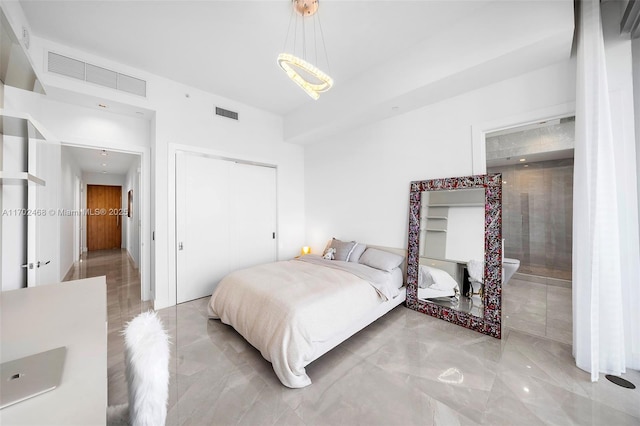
104	164
395	108
522	160
526	165
104	171
102	105
104	152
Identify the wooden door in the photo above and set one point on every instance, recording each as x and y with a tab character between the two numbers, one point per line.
104	222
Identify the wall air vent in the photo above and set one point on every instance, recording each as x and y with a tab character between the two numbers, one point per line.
74	68
226	113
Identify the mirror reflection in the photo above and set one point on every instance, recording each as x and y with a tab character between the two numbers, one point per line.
454	262
451	249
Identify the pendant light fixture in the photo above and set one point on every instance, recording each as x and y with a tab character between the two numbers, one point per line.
306	25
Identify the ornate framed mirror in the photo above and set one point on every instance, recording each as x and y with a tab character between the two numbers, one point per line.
454	267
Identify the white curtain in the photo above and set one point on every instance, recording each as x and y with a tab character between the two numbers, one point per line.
606	263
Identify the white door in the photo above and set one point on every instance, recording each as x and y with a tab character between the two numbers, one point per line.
254	218
43	227
225	219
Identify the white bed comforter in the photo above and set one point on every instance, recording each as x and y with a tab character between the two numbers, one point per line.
283	308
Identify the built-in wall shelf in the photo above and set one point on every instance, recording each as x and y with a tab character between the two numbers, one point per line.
20	178
25	128
437	217
435	230
458	205
21	125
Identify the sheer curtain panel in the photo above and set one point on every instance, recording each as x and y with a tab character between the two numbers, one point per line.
606	263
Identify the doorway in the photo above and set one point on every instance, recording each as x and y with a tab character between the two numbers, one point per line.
104	217
536	162
83	167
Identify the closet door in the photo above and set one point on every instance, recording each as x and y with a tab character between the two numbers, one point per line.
202	213
225	220
254	217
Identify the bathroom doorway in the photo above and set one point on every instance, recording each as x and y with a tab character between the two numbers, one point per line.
536	162
537	213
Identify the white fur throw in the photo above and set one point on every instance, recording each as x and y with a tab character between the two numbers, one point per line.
476	270
147	369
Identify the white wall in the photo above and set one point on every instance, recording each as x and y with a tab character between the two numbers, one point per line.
177	121
80	125
357	184
131	224
465	233
70	171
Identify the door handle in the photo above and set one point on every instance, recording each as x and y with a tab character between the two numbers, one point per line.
27	266
180	246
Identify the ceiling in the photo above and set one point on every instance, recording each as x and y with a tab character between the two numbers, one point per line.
230	47
93	161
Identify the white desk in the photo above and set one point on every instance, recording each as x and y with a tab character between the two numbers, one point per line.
71	314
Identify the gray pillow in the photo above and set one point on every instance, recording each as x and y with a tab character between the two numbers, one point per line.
357	251
380	259
343	249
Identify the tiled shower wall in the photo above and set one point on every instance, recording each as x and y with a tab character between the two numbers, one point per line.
537	210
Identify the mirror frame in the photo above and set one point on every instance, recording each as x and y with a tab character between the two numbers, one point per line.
491	321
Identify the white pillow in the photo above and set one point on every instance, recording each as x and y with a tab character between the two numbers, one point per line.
424	277
357	251
380	259
435	278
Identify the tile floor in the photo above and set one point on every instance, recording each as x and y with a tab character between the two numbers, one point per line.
538	309
404	369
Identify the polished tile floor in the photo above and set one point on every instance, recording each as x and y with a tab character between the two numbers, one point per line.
538	309
404	369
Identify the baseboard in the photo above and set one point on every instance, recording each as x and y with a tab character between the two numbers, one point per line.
67	276
133	262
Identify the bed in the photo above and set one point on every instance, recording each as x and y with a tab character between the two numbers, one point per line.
295	311
436	279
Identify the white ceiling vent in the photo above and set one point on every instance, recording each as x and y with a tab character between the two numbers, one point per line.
101	76
73	68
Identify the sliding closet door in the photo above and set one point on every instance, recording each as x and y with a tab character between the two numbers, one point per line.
225	220
254	219
202	213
